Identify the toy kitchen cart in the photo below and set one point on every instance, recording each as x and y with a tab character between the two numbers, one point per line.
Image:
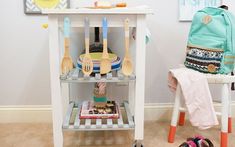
62	107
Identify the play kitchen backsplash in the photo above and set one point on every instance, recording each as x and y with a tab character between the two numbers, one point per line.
97	57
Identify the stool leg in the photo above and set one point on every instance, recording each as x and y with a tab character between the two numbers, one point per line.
182	119
224	139
230	125
175	115
229	113
224	119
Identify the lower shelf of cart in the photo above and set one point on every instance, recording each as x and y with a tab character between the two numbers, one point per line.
76	76
73	122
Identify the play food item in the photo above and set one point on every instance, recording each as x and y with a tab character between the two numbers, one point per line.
127	67
67	62
87	64
105	63
110	110
100	98
102	4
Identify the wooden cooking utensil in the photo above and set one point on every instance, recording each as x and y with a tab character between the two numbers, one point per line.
127	66
87	64
105	63
67	62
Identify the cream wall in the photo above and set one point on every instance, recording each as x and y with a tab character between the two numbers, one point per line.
24	64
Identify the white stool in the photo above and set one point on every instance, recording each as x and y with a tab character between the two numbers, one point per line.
226	120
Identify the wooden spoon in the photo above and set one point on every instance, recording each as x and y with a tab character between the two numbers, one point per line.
105	63
127	66
87	64
67	62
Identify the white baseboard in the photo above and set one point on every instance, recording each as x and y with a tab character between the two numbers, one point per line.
163	112
42	113
158	111
26	114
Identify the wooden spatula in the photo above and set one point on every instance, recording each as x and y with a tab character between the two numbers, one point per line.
87	64
67	62
105	63
127	67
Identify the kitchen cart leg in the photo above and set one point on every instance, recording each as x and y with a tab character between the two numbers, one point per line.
131	97
140	77
55	81
137	144
65	97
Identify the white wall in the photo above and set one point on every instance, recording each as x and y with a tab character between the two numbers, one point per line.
24	65
24	56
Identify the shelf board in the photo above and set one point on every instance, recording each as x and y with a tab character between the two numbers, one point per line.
76	76
77	124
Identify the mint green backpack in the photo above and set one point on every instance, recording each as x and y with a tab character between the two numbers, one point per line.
211	41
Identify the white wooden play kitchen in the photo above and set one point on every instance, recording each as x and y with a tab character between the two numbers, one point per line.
61	104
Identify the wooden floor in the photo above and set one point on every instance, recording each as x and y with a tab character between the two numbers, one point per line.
40	135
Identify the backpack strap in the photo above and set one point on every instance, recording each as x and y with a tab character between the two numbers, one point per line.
232	73
230	19
224	7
